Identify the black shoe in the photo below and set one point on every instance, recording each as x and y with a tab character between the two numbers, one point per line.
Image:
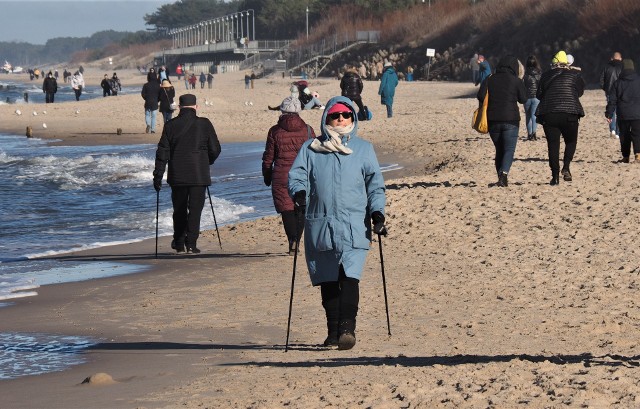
331	341
193	250
292	247
566	175
555	180
332	334
148	129
179	248
503	180
347	338
534	137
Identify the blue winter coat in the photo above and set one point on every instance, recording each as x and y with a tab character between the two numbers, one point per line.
342	191
485	71
388	84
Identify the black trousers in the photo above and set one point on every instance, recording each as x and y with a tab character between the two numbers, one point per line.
565	125
188	202
49	97
629	132
340	299
78	92
293	226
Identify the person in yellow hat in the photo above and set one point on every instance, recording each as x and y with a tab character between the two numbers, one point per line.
559	112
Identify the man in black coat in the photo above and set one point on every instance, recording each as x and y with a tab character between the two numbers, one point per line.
151	94
49	87
625	99
190	145
609	75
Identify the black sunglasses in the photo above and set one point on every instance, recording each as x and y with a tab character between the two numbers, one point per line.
336	115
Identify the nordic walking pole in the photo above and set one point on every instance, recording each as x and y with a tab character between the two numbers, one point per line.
214	218
384	283
157	214
293	281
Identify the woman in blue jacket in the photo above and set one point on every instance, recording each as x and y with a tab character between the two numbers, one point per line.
337	184
387	90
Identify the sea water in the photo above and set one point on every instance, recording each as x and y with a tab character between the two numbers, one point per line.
58	199
13	92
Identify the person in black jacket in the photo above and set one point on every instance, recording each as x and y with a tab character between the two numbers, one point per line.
49	87
559	112
189	145
151	94
609	75
625	99
531	79
351	86
505	91
167	93
105	84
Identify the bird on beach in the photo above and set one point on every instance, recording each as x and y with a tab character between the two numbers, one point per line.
44	126
77	111
35	113
44	112
18	112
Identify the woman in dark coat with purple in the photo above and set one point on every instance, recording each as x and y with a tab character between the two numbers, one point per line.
283	143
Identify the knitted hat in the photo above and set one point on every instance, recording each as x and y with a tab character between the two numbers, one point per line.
339	107
187	100
560	58
627	64
291	104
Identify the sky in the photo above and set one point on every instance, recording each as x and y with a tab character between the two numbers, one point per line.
37	21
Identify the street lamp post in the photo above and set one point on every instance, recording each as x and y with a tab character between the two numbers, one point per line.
307	22
253	20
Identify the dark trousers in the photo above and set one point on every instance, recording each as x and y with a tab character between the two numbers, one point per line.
629	132
565	125
78	92
293	226
106	92
188	202
49	97
340	300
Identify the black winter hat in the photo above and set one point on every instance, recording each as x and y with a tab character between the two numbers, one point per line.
187	100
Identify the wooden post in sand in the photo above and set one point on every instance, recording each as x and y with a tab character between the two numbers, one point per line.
29	132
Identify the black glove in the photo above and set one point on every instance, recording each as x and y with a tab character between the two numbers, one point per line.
266	174
378	223
300	202
157	184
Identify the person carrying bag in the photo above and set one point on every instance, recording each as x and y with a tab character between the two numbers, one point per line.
501	92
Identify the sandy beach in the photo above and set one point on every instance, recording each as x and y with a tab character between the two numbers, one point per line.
499	297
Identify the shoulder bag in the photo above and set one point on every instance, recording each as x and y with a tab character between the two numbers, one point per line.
479	121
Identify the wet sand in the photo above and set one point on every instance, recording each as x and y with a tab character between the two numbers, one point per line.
498	297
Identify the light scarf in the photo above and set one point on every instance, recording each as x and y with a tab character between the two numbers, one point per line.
334	140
